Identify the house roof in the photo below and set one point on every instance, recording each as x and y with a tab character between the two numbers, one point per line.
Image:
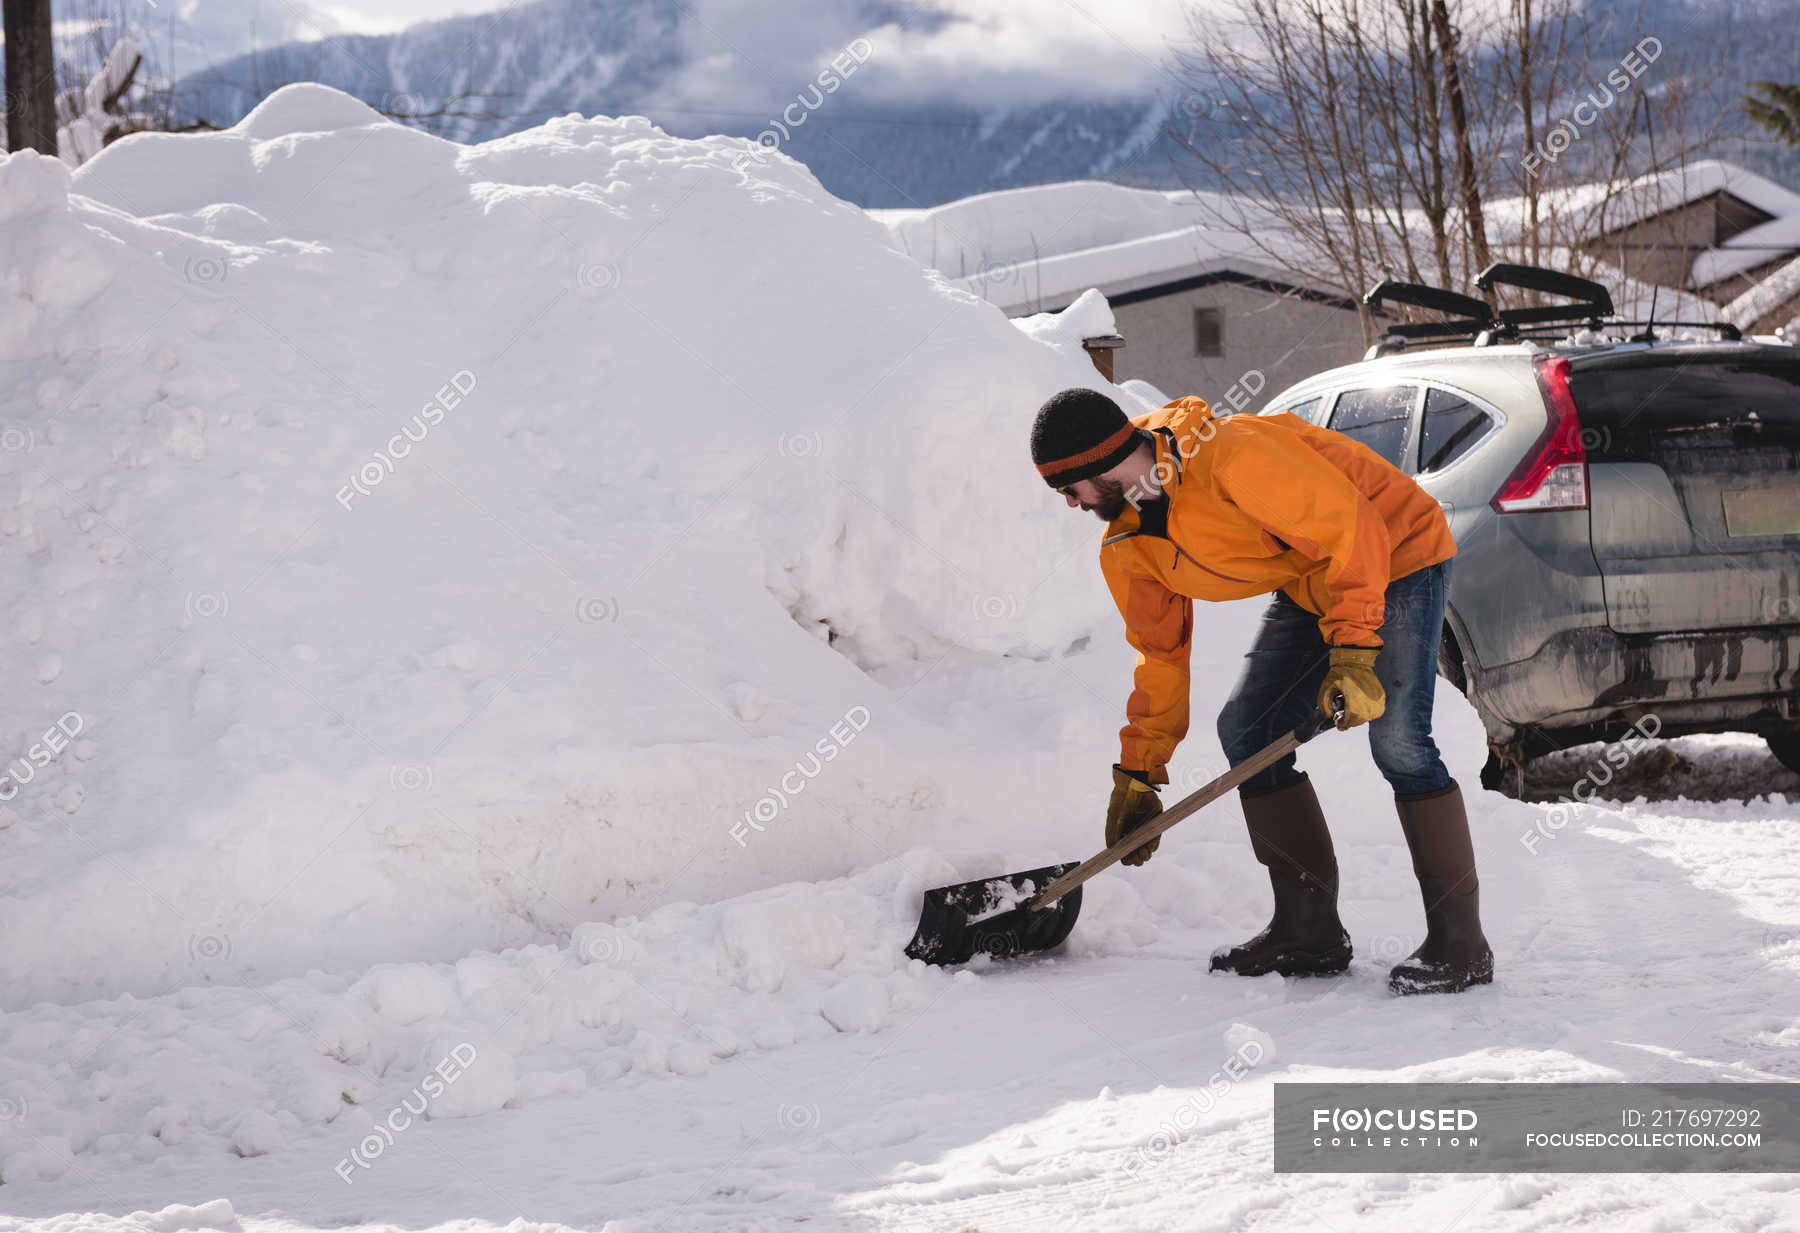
1028	249
999	238
1747	250
1650	195
1666	190
1780	290
1120	270
1044	220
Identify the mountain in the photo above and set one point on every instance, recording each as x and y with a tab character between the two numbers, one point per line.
558	56
515	68
180	37
205	32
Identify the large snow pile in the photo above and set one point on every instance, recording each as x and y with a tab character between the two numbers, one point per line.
436	546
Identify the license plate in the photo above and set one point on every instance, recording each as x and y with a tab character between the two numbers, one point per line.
1763	511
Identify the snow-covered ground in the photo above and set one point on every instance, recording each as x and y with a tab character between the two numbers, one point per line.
534	618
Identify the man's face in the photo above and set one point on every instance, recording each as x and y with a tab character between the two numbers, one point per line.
1103	498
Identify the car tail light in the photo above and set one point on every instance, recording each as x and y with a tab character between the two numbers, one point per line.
1553	473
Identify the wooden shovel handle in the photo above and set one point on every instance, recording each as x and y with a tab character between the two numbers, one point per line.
1192	804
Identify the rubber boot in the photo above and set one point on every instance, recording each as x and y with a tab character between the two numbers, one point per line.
1454	954
1304	937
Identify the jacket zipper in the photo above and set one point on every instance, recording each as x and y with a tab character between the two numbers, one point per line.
1209	569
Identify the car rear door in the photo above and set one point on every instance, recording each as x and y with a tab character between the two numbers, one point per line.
1694	476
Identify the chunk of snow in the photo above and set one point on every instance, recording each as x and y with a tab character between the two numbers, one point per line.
857	1004
478	1075
1251	1045
408	992
765	937
257	1134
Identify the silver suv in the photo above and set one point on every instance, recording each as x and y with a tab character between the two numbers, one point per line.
1626	510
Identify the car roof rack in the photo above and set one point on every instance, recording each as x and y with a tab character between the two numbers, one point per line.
1726	330
1591	302
1475	316
1477	321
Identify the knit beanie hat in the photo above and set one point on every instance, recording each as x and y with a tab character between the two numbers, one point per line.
1079	434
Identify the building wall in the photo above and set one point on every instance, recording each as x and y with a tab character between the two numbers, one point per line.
1286	338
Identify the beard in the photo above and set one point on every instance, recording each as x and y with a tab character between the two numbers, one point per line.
1111	502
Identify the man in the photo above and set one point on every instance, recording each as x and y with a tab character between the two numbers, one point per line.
1358	556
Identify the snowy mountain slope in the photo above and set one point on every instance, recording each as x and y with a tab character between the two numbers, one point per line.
186	36
879	140
534	57
205	32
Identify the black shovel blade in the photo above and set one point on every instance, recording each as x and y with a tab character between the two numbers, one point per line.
970	918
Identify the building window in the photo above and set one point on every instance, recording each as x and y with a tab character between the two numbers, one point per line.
1209	331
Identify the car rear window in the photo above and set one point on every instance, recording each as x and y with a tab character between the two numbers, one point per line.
1679	397
1377	417
1451	427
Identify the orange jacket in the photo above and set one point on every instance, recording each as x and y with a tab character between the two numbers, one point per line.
1255	504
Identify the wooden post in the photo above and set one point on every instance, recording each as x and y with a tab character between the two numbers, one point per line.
30	77
1100	349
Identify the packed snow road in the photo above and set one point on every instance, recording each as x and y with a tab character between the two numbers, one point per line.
771	1061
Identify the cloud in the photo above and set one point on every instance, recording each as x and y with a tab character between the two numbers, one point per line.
386	16
758	52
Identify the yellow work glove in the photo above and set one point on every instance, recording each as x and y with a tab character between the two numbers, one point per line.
1352	673
1134	802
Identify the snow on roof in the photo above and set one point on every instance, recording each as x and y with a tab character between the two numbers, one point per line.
1028	249
1133	265
1747	250
1712	175
1615	206
1018	225
1647	196
1766	296
1656	193
1636	300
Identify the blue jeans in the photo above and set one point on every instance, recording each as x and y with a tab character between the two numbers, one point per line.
1285	667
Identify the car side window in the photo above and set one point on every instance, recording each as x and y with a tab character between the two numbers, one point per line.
1307	409
1378	417
1451	428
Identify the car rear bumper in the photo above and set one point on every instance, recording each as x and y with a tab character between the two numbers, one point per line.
1591	684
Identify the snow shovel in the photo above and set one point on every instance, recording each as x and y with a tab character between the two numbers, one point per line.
1024	913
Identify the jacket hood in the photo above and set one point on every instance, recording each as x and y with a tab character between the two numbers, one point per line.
1190	421
1181	416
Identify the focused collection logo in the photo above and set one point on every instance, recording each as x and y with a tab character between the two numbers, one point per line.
1394	1127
